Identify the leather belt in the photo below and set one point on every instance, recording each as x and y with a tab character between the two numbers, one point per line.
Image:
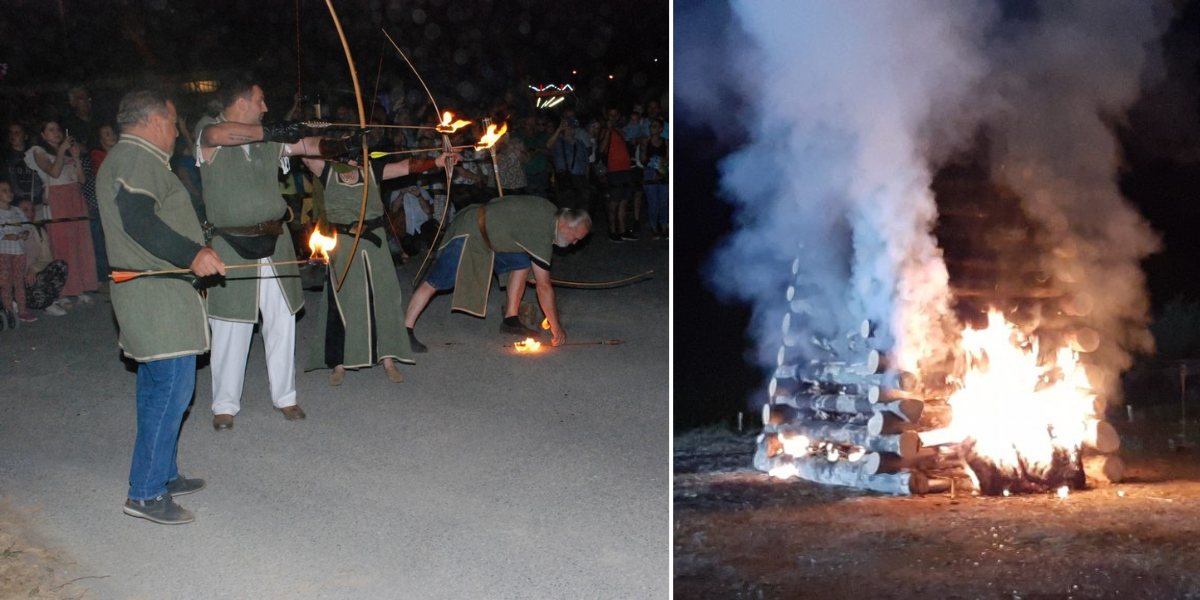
367	227
265	228
483	228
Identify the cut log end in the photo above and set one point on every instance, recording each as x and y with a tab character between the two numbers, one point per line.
1104	470
1102	436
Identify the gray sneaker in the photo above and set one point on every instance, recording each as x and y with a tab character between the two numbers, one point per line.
160	510
183	486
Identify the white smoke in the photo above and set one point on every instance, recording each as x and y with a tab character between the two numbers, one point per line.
848	106
836	171
1060	81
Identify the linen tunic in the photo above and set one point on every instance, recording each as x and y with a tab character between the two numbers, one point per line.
369	303
241	189
159	317
514	224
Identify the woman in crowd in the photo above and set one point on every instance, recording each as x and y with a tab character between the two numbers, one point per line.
104	140
25	182
654	152
57	160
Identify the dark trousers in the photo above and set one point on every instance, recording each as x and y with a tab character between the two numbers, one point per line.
47	285
98	246
572	191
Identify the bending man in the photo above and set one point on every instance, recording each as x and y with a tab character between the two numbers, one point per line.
512	234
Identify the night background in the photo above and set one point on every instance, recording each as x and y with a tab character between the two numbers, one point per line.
471	54
715	373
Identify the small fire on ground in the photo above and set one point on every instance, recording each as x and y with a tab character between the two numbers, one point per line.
529	345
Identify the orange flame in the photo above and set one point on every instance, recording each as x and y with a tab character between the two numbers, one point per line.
492	136
545	323
321	245
1008	401
446	126
529	345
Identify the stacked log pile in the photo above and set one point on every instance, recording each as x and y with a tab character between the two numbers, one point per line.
846	423
847	418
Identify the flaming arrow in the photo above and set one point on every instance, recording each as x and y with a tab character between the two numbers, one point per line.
123	276
319	244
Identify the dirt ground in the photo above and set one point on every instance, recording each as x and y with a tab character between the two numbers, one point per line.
738	534
29	569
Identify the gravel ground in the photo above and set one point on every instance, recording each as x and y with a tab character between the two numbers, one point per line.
484	474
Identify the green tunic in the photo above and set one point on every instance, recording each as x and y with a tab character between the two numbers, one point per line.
514	224
371	287
241	189
159	317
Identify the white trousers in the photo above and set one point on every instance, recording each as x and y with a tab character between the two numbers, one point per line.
231	346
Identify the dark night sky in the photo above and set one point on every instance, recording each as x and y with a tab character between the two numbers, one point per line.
1161	175
474	50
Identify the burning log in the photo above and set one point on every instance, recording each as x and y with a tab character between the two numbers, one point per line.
1101	436
817	469
1085	339
990	292
846	473
905	444
791	380
847	373
939	437
866	329
908	410
1104	469
879	393
1079	305
900	484
1024	475
935	415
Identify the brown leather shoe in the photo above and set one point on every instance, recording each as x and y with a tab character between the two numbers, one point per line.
394	375
222	422
293	413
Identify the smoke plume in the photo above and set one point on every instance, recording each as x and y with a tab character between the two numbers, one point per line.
848	109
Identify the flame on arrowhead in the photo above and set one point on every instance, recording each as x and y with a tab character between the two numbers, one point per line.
321	245
449	125
492	136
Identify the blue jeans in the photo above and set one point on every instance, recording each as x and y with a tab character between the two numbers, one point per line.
444	272
656	199
164	390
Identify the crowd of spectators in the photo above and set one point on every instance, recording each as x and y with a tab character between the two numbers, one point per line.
611	161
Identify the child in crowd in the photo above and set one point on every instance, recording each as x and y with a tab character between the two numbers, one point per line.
12	261
44	276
